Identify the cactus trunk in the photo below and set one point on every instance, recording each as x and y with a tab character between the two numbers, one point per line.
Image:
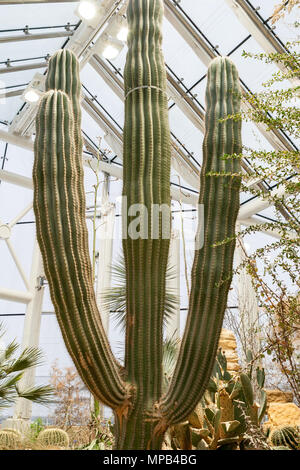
147	153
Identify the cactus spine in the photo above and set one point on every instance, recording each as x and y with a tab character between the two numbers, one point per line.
54	437
59	205
212	269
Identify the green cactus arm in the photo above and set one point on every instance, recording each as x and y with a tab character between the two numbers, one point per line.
212	269
146	181
247	389
59	206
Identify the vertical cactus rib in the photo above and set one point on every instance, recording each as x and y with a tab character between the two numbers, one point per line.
212	268
146	179
59	206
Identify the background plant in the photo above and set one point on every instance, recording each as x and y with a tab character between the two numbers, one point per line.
13	364
71	397
275	267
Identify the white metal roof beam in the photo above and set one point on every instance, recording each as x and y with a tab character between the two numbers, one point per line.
15	296
14	178
22	68
259	31
34	37
10	94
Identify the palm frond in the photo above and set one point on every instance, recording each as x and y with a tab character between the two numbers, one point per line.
114	299
9	385
170	355
39	394
11	371
30	357
9	351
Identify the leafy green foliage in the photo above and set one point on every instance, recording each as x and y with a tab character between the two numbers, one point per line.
12	368
36	427
274	268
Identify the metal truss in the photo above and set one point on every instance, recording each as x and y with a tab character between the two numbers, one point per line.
5	235
260	31
35	37
205	51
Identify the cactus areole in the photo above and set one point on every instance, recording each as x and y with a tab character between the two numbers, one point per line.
134	392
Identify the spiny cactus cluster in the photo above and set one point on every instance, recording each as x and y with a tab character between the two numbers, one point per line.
9	439
222	418
54	437
287	436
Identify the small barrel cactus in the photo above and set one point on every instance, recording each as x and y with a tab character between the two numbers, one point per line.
9	439
14	431
54	437
280	448
287	436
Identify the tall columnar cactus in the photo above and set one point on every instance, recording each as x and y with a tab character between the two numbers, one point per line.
59	205
212	269
147	155
135	391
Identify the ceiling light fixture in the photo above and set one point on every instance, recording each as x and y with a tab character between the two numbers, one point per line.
108	47
89	11
118	27
34	89
31	96
122	34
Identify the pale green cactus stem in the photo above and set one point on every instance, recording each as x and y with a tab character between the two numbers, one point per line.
59	205
212	269
147	153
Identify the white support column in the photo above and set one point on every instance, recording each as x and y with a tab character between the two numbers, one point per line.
247	303
173	285
105	235
31	332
